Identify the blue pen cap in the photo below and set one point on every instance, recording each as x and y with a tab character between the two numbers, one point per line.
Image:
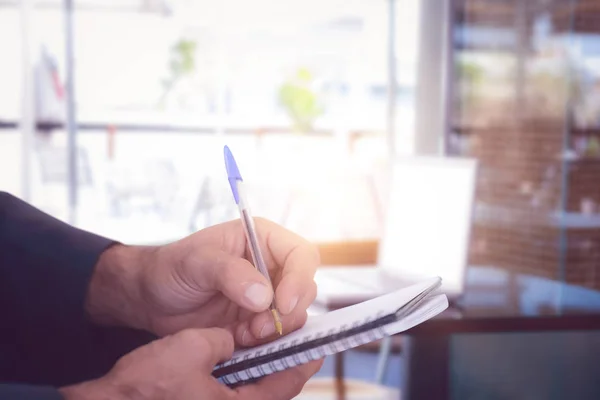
233	173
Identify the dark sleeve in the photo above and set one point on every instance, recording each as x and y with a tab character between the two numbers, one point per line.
26	392
45	268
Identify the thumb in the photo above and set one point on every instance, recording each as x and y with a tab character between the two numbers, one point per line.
218	345
233	276
204	347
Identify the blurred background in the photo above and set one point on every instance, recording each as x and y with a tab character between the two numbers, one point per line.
114	114
298	90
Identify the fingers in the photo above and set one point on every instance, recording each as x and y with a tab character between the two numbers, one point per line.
297	259
290	283
213	345
216	266
236	278
261	328
282	385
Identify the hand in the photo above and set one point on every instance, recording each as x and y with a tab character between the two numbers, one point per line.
207	280
179	367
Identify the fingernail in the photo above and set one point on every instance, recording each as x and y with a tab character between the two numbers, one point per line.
267	330
257	294
293	303
245	337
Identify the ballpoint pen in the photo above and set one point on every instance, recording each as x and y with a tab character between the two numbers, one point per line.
237	187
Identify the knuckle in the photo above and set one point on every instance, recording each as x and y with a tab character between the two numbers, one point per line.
312	250
261	220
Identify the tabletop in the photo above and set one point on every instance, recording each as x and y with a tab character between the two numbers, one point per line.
496	300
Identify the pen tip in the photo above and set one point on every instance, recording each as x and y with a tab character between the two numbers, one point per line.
278	324
279	327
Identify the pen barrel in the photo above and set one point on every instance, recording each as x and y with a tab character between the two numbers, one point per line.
251	235
255	252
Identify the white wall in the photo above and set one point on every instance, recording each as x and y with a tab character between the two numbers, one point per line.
10	162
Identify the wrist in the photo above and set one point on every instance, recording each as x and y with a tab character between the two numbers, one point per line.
114	291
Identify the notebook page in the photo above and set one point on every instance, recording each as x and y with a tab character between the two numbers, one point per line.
427	308
430	307
321	324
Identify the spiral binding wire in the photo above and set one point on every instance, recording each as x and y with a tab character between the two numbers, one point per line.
300	351
313	347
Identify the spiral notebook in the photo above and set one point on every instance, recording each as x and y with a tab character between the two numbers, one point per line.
336	331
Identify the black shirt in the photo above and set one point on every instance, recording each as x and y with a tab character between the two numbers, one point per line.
46	341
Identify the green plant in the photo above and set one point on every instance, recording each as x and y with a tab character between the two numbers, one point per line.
471	72
472	76
300	101
182	64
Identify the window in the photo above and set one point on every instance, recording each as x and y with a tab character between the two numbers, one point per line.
297	89
526	108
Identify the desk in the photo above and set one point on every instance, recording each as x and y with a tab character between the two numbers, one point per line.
494	301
